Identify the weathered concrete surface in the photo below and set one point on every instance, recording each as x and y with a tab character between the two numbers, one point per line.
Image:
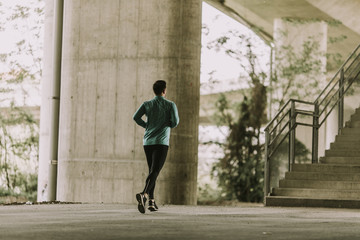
85	221
113	52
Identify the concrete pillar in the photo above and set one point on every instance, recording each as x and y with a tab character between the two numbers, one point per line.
113	51
44	144
292	34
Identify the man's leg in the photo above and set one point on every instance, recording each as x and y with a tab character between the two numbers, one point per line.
149	158
141	197
158	154
155	156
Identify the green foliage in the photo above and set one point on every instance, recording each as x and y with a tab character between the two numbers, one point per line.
19	143
294	70
300	21
21	73
23	61
207	194
244	52
240	171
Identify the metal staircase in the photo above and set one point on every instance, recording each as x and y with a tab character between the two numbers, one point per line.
332	180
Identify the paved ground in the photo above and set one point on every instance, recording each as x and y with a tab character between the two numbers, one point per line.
111	221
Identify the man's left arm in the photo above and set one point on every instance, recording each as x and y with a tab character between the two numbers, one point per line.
138	114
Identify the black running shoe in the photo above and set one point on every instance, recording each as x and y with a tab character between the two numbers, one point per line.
152	205
156	207
141	202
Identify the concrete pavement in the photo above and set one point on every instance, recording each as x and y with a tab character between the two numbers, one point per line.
112	221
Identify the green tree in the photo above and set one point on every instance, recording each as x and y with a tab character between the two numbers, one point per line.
20	74
240	171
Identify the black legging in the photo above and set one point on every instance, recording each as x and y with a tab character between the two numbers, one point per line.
155	156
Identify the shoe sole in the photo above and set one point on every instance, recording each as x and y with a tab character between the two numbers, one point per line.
140	200
153	205
152	209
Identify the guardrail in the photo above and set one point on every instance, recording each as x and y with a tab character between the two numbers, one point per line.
284	124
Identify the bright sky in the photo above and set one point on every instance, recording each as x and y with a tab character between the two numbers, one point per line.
219	24
17	30
225	69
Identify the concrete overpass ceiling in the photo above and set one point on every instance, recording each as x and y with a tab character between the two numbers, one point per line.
261	14
345	11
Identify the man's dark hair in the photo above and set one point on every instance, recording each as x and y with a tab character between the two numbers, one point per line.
159	86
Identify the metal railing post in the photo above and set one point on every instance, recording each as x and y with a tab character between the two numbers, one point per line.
292	135
315	134
341	102
267	165
55	99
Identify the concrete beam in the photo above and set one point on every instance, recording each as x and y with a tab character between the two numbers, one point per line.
260	14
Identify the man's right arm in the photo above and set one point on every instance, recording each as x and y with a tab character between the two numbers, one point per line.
174	116
138	114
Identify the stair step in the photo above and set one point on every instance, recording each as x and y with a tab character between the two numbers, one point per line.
350	131
355	117
345	145
340	160
317	193
311	184
353	124
281	201
326	168
333	182
317	176
347	138
342	153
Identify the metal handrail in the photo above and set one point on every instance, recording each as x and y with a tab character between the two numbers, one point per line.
272	133
278	123
341	86
274	118
282	109
342	67
335	83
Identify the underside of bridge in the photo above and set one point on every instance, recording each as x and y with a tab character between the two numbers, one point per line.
113	52
259	15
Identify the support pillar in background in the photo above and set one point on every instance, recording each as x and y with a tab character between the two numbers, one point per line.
113	51
294	34
46	90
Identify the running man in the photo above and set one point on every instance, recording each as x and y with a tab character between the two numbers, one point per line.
162	115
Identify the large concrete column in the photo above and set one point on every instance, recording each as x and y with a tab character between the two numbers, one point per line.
113	51
294	34
46	87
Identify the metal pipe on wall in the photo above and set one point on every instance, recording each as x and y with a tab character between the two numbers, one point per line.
55	98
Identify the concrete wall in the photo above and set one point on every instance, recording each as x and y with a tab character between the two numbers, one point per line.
113	51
